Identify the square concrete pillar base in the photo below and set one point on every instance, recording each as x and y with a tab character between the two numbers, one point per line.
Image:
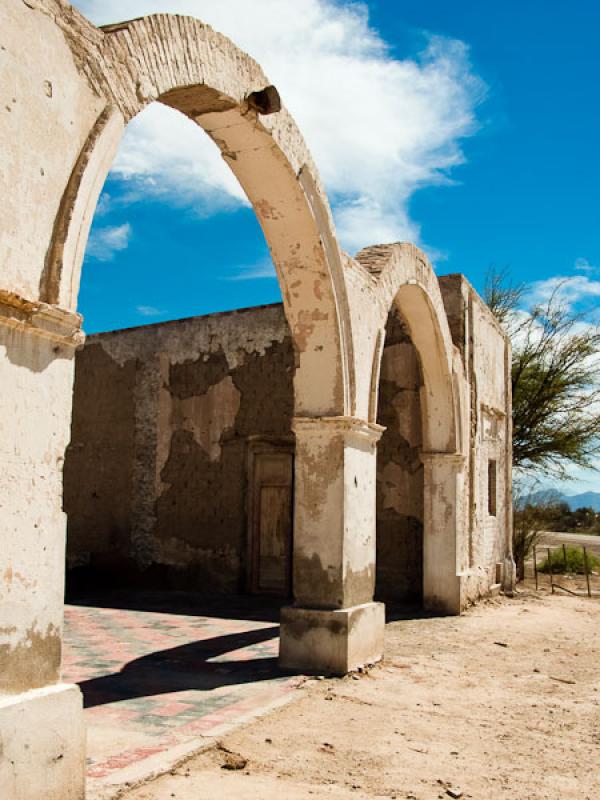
42	744
331	642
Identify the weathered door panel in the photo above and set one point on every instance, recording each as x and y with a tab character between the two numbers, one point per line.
273	549
271	510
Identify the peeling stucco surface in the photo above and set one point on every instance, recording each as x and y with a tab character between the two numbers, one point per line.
208	416
184	340
33	662
196	391
34	433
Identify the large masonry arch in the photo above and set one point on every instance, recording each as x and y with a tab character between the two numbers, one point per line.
171	59
405	281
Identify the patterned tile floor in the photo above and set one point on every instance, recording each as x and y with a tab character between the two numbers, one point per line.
152	680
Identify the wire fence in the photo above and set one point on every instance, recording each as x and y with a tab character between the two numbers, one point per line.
558	565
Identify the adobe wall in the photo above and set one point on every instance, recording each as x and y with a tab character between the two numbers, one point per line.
491	374
157	469
156	472
485	354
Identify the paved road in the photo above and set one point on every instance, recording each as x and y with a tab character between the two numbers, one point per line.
551	539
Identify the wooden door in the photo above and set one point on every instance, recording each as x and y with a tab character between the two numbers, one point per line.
271	522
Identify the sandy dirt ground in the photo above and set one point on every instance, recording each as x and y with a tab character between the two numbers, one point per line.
501	703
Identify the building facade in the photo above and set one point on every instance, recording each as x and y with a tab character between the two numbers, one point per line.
179	474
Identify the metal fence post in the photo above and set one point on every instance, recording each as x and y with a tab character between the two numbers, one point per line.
587	571
551	568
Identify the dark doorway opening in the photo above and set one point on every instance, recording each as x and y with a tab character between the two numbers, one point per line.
399	565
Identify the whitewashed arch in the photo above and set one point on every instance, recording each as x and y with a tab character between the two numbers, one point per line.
404	278
185	64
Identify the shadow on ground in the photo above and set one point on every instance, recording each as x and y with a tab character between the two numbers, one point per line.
201	665
396	612
188	666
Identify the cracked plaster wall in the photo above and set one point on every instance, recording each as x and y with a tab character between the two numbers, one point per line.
156	472
35	431
491	375
46	112
485	353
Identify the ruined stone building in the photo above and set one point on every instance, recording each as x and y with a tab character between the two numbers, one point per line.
272	449
180	472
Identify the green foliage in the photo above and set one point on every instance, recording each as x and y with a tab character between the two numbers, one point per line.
559	517
555	380
537	511
573	562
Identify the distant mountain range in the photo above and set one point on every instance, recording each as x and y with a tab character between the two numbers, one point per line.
574	501
583	500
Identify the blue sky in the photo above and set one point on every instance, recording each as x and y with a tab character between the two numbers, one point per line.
469	127
527	197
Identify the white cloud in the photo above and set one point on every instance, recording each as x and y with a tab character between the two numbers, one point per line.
104	204
583	265
260	271
148	311
572	291
166	155
378	127
105	242
365	220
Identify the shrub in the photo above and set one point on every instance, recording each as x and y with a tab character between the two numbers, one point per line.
527	529
574	561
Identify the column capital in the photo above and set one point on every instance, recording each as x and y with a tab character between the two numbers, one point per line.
41	319
330	426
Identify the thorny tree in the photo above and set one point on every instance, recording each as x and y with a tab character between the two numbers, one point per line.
556	394
555	379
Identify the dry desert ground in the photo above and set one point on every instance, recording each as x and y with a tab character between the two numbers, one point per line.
502	703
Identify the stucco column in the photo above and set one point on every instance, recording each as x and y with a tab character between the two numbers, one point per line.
42	736
334	625
445	531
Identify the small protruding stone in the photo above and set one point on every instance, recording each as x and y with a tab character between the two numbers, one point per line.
266	101
232	760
